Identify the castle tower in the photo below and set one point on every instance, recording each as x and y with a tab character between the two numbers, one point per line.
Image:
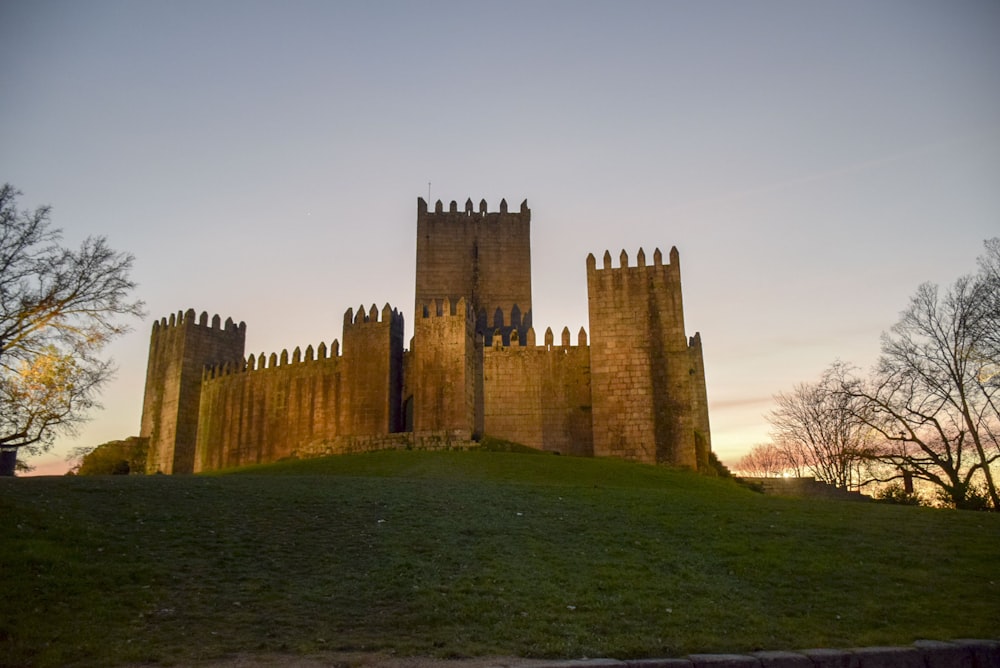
447	366
373	372
179	350
647	383
480	256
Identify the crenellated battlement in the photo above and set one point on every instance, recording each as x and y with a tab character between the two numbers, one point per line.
495	341
499	318
469	210
188	319
446	308
388	316
274	361
640	261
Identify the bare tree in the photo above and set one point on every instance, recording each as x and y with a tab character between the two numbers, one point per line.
933	397
792	458
818	429
59	308
763	461
986	322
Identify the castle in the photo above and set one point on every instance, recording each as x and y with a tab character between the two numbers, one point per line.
474	366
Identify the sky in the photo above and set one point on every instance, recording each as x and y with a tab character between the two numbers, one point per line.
812	161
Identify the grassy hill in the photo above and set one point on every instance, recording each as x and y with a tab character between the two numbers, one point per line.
468	553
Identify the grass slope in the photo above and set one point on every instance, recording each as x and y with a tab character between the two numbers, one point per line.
468	553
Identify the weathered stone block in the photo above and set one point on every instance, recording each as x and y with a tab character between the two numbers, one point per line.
985	653
831	658
889	657
782	660
587	663
660	663
944	654
724	661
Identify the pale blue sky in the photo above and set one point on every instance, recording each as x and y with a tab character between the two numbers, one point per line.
812	161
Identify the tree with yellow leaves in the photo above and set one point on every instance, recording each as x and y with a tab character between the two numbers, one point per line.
59	308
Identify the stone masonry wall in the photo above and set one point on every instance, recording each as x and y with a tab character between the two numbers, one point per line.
264	412
482	256
446	362
373	368
179	349
540	395
641	370
699	401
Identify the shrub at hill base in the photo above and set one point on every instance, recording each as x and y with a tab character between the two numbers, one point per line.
116	458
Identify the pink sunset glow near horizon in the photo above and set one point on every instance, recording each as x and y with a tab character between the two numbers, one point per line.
812	162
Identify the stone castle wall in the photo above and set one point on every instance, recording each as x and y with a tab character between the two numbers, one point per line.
271	408
540	395
268	409
473	367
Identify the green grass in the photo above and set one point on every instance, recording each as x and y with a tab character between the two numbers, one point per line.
470	553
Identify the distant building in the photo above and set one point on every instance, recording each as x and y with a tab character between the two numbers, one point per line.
474	366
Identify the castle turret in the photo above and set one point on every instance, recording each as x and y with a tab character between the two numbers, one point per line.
179	350
648	384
